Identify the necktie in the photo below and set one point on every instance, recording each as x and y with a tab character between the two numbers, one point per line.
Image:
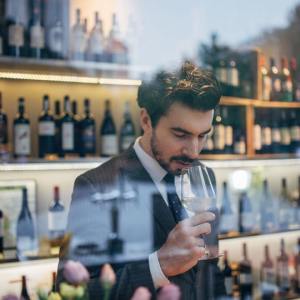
178	211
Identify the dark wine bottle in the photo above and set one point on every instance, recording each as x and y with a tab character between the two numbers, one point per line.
25	229
109	142
57	118
3	128
284	132
22	142
257	133
294	127
46	130
226	212
56	217
245	277
53	289
283	276
67	128
76	126
24	291
266	80
228	276
275	80
88	131
267	277
268	223
297	212
266	133
286	81
127	134
1	234
286	210
246	216
275	129
219	132
228	131
297	264
295	79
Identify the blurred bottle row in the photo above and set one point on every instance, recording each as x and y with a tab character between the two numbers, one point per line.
40	29
275	131
279	277
66	133
260	210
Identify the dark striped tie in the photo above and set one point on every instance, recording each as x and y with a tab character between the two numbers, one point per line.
178	211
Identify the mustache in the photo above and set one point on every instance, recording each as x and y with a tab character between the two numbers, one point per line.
184	159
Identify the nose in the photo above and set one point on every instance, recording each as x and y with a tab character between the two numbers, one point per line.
192	149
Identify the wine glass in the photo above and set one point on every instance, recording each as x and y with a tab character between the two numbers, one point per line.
198	195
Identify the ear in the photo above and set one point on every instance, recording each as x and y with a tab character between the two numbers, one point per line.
145	121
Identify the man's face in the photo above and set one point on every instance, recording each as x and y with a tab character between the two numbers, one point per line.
179	137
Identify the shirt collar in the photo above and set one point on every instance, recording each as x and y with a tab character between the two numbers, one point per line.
149	163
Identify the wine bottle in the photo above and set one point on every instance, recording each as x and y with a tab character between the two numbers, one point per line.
239	139
283	276
57	120
226	212
127	133
46	130
76	127
228	148
245	277
233	78
286	81
53	289
275	130
294	127
219	132
78	39
286	213
67	128
266	80
21	128
1	235
109	142
297	265
267	277
246	215
275	80
266	133
96	41
267	215
56	217
228	276
24	291
284	132
3	128
88	131
25	229
295	79
37	33
257	133
297	217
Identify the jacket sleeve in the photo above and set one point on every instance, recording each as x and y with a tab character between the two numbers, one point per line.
129	276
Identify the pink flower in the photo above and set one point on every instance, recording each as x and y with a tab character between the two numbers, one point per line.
107	275
75	273
141	293
169	292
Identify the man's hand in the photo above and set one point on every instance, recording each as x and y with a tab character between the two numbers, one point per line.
184	245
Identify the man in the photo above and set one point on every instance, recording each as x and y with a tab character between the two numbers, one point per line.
176	117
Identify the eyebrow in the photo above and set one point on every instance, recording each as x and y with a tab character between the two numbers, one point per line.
179	129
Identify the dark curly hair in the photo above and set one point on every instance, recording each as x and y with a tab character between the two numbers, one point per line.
191	86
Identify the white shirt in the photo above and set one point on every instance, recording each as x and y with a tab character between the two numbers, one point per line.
157	173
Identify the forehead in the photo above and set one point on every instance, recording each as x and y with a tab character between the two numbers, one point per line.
192	120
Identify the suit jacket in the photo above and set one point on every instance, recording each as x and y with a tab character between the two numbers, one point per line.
204	281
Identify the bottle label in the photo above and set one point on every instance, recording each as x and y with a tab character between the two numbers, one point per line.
295	133
286	215
24	243
287	86
266	89
277	85
276	138
22	139
228	285
37	37
226	223
233	77
126	142
283	274
240	147
78	45
268	275
57	220
68	136
266	136
96	43
3	132
246	278
88	137
285	136
247	220
219	137
56	39
221	74
228	136
109	144
46	128
16	35
257	137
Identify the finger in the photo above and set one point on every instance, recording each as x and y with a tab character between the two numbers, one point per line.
199	242
204	228
200	218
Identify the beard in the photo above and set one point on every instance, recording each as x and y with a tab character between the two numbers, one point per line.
165	163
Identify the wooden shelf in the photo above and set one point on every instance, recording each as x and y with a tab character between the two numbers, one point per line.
223	156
